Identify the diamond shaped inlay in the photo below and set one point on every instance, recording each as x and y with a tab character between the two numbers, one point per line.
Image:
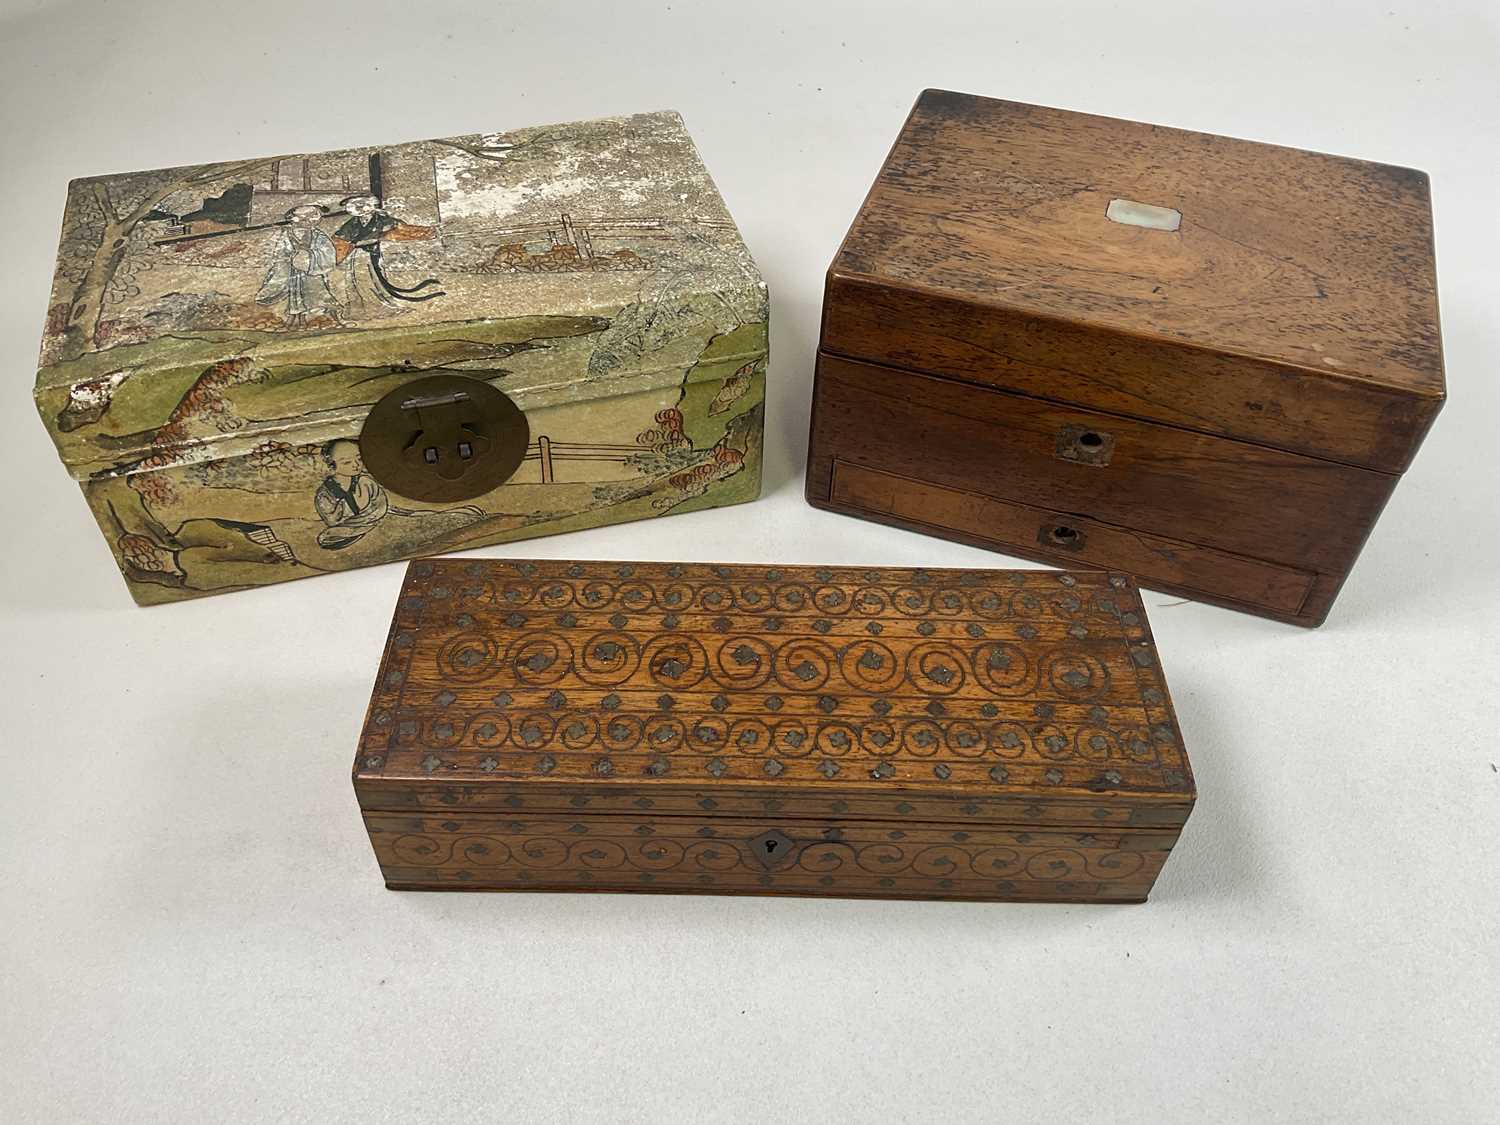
892	689
773	849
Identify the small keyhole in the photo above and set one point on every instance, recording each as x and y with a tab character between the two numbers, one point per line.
770	846
1090	440
1064	534
430	455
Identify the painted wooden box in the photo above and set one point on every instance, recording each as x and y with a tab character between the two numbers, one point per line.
1201	360
771	730
274	368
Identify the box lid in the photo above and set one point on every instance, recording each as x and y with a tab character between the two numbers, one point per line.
1279	296
1009	697
198	312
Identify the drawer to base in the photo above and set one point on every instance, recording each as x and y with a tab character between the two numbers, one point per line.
1289	594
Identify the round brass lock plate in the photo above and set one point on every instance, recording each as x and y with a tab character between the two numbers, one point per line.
444	438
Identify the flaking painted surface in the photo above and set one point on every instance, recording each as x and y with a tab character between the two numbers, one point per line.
218	333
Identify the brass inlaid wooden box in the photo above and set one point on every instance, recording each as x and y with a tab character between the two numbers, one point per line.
1102	343
771	730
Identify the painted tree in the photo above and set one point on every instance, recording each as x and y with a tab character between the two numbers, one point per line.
101	225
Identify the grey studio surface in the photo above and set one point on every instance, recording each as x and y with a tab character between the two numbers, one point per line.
192	924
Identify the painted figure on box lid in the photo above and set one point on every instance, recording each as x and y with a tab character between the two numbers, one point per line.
218	333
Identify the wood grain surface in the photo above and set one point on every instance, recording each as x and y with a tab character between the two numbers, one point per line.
1232	495
1316	263
1292	408
1069	539
559	716
1247	385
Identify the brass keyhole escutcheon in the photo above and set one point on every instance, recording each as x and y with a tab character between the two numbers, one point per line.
1061	537
1084	445
444	438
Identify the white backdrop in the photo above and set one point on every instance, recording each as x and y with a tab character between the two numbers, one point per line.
192	927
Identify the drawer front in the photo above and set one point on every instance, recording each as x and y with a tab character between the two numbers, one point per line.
1183	486
1083	542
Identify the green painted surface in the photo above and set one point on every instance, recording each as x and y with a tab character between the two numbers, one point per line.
207	383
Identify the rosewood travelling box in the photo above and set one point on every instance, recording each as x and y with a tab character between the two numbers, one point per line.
771	730
1200	360
281	367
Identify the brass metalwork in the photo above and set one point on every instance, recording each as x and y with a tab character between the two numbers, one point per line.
444	438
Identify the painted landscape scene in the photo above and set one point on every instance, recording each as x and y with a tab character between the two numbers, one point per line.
218	333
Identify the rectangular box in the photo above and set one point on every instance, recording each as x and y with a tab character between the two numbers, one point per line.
1203	360
685	727
273	368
